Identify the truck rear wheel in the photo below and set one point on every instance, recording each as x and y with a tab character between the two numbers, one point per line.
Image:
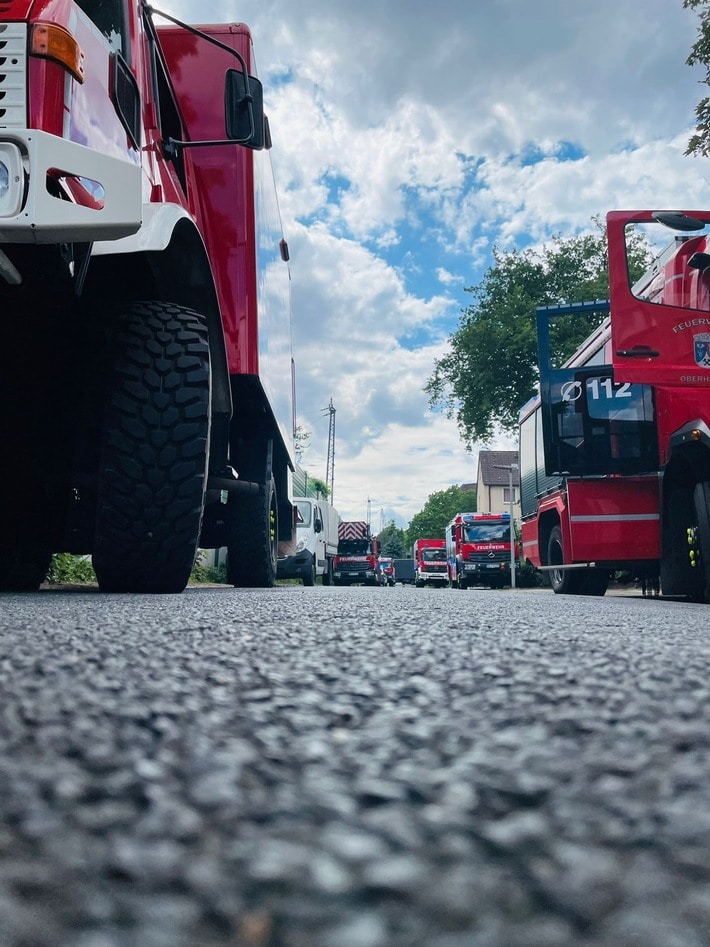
253	538
23	570
594	582
309	577
563	581
154	450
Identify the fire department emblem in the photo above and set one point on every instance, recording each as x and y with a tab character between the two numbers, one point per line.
701	345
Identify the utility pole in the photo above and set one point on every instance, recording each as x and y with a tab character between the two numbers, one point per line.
513	544
330	461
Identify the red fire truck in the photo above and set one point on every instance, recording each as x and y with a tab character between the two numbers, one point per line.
430	560
147	386
478	550
357	559
615	450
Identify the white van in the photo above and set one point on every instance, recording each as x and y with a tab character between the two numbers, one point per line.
316	543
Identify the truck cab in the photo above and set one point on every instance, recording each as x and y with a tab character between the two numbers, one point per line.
478	547
316	543
357	560
430	561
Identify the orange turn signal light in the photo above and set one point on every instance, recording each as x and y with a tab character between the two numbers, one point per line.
54	42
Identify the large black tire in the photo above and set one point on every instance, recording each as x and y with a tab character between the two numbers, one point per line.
154	450
563	581
309	577
701	497
23	570
594	582
252	545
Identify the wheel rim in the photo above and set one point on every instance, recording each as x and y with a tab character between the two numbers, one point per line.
556	575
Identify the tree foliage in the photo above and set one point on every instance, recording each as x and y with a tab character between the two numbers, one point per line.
490	370
699	143
391	540
320	487
439	509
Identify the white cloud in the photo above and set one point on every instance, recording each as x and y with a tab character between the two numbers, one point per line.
411	139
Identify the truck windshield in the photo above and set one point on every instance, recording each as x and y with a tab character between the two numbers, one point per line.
486	532
303	514
353	547
434	555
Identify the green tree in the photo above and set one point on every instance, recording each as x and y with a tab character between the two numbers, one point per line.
699	143
391	540
490	370
320	487
439	509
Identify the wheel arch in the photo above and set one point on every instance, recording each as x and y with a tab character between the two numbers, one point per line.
546	523
167	260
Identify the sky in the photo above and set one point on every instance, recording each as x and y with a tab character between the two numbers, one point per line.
409	140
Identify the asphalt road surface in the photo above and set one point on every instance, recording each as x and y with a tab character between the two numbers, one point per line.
351	767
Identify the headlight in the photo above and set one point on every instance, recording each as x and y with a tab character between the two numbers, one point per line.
11	185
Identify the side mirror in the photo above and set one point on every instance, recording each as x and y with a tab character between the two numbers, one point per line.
317	526
244	109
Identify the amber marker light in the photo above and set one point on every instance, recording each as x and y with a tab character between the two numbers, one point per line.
695	434
54	42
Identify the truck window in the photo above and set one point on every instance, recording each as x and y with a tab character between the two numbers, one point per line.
486	532
110	17
303	514
434	555
353	547
680	274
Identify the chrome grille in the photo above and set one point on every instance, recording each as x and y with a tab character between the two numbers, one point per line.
13	72
495	555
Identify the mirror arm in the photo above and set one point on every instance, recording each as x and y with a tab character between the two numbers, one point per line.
173	145
151	11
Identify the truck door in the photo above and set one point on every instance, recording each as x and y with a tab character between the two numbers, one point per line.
660	326
319	532
591	424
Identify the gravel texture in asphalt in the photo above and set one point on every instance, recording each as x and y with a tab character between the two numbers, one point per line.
353	768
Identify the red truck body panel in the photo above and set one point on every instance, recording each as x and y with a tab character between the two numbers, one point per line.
227	227
252	282
668	315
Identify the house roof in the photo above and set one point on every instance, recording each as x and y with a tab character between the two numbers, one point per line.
489	463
